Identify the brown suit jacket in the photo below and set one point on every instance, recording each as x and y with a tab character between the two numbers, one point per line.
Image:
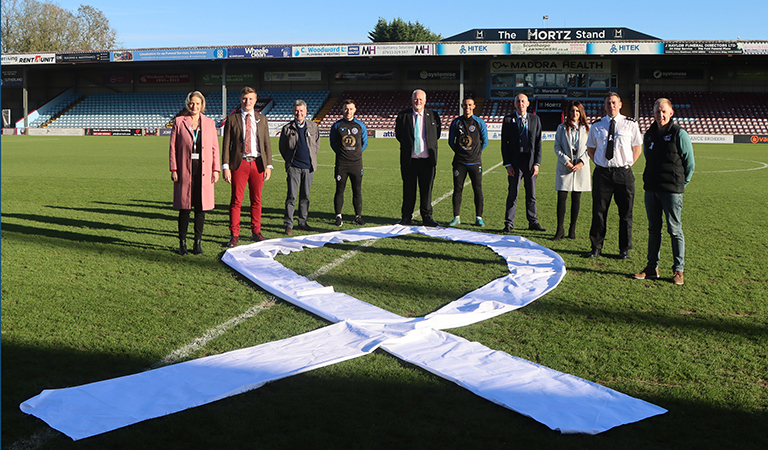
234	139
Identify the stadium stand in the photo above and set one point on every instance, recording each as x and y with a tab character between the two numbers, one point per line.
279	110
157	110
123	110
53	109
493	111
213	104
711	112
378	109
697	112
282	111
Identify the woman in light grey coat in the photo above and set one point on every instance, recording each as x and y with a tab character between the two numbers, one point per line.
572	166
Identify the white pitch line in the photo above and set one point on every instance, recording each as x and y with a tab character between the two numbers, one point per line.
466	183
341	259
761	165
183	353
37	440
42	437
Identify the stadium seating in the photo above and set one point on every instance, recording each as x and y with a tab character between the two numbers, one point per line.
378	109
213	104
711	112
157	110
697	112
494	110
123	110
281	109
54	108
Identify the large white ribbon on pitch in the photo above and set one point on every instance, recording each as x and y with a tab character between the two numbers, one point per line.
560	401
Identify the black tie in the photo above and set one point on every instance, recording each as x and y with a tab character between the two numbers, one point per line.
609	145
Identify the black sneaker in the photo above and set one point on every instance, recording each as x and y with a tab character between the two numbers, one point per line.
338	221
358	221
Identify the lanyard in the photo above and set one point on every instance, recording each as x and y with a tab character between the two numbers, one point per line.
195	134
522	127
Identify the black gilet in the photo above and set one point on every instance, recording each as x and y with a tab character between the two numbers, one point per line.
664	171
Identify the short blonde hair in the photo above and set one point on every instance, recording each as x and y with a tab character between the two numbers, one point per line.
192	95
662	101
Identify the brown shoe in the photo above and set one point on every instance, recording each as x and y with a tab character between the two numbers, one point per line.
257	237
289	231
677	278
648	273
233	241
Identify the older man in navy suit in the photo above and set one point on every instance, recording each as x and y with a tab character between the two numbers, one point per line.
521	154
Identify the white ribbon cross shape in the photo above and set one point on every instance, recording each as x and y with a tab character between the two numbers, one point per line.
560	401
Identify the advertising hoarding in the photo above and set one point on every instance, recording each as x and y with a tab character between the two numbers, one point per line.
168	54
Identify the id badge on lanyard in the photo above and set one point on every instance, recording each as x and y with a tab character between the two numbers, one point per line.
195	135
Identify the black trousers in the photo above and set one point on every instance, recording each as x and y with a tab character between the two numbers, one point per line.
422	174
355	174
184	223
618	183
197	204
460	172
524	173
562	198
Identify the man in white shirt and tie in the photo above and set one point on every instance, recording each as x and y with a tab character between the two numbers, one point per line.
614	144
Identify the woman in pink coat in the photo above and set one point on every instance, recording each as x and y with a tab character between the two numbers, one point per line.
194	160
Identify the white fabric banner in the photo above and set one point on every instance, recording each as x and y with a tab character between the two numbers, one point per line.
562	402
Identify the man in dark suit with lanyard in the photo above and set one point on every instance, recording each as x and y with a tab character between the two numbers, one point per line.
417	129
521	154
246	156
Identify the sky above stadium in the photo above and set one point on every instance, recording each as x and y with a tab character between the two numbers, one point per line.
153	24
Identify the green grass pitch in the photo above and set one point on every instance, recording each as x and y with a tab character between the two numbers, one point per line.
92	289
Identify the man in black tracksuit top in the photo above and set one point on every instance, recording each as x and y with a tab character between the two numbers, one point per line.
349	137
468	137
